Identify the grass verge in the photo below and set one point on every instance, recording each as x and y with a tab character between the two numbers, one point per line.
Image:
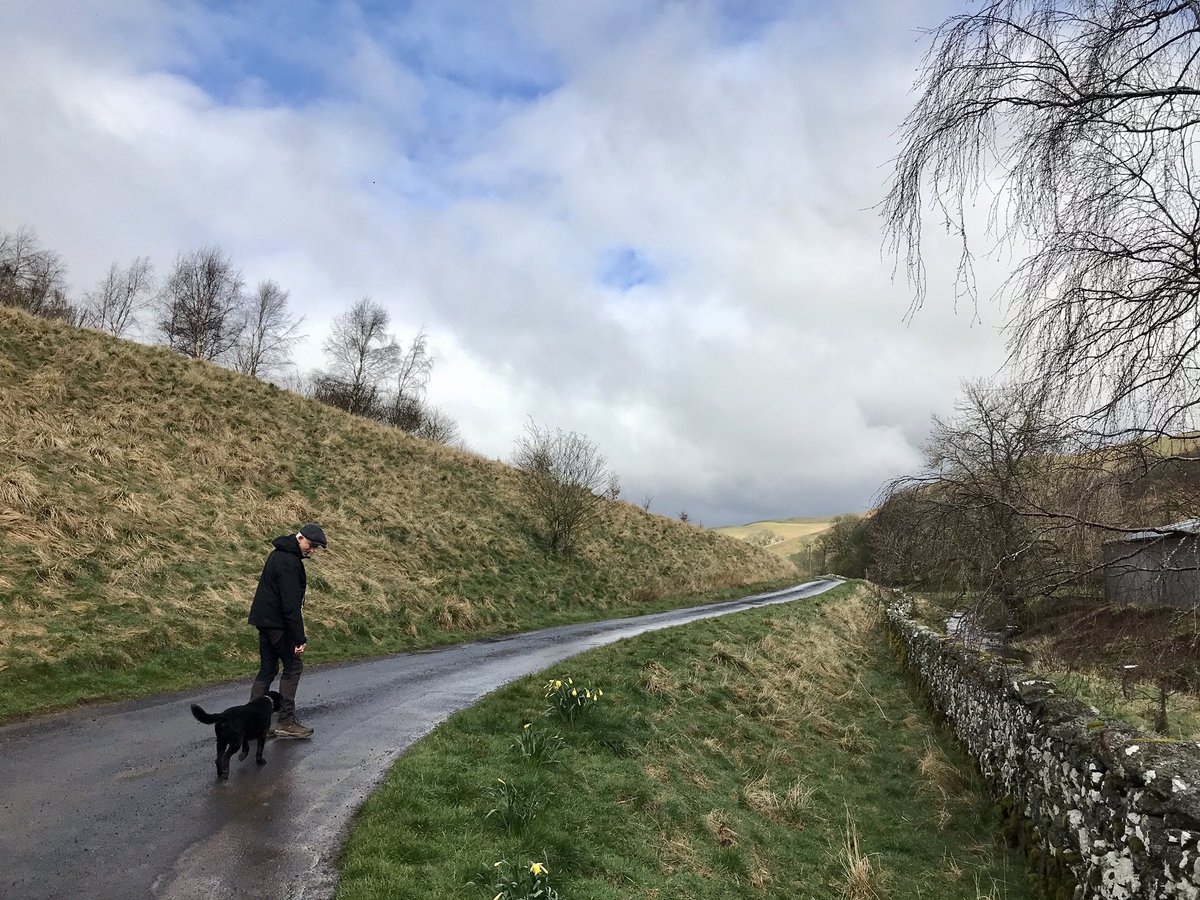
233	654
774	752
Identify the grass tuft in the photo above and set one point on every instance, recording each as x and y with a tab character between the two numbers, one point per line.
859	878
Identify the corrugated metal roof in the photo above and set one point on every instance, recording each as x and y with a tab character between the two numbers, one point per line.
1187	526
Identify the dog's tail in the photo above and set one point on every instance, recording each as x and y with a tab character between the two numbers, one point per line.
202	716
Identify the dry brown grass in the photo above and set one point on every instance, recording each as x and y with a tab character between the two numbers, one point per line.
760	874
146	486
658	680
941	779
678	853
717	823
860	879
789	806
802	679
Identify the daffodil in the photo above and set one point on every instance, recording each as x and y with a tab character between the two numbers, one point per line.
574	693
527	724
537	869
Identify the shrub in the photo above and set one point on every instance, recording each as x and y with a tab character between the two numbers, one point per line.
564	479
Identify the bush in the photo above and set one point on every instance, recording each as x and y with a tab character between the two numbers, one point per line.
564	479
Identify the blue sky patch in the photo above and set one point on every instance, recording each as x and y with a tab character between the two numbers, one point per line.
746	21
625	267
295	54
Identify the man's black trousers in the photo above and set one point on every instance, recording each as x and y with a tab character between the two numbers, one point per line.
276	647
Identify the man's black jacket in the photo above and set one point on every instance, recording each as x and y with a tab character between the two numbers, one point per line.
279	600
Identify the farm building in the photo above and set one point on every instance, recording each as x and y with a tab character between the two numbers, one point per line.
1158	565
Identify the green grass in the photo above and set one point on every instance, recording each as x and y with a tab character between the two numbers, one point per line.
105	674
729	758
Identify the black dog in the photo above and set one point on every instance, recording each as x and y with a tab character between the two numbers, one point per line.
237	726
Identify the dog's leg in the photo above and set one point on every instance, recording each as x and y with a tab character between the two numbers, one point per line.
245	748
224	751
258	754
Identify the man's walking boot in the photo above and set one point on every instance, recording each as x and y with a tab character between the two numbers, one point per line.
292	728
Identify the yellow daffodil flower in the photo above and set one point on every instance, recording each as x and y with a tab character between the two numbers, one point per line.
537	869
527	724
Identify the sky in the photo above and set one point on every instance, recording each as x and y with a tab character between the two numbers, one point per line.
651	223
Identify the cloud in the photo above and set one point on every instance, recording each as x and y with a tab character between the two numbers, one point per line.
648	222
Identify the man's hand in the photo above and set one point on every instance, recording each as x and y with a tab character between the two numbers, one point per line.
300	648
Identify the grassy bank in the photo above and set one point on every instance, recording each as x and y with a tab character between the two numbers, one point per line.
139	491
776	752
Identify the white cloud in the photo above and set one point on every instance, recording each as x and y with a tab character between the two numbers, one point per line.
765	367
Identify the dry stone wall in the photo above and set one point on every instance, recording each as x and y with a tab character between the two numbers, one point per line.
1101	810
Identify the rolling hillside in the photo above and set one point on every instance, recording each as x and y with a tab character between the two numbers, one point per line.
783	537
139	490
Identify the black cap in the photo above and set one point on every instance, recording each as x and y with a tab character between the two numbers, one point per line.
315	534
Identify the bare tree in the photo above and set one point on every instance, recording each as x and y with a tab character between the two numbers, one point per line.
201	304
613	492
564	479
978	510
412	374
405	407
1082	116
362	358
122	293
33	278
1016	503
269	334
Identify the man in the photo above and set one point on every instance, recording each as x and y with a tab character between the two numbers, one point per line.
277	612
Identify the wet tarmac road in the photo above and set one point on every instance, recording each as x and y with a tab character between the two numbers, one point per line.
121	801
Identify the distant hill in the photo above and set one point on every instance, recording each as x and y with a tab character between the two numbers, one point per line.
139	489
782	537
